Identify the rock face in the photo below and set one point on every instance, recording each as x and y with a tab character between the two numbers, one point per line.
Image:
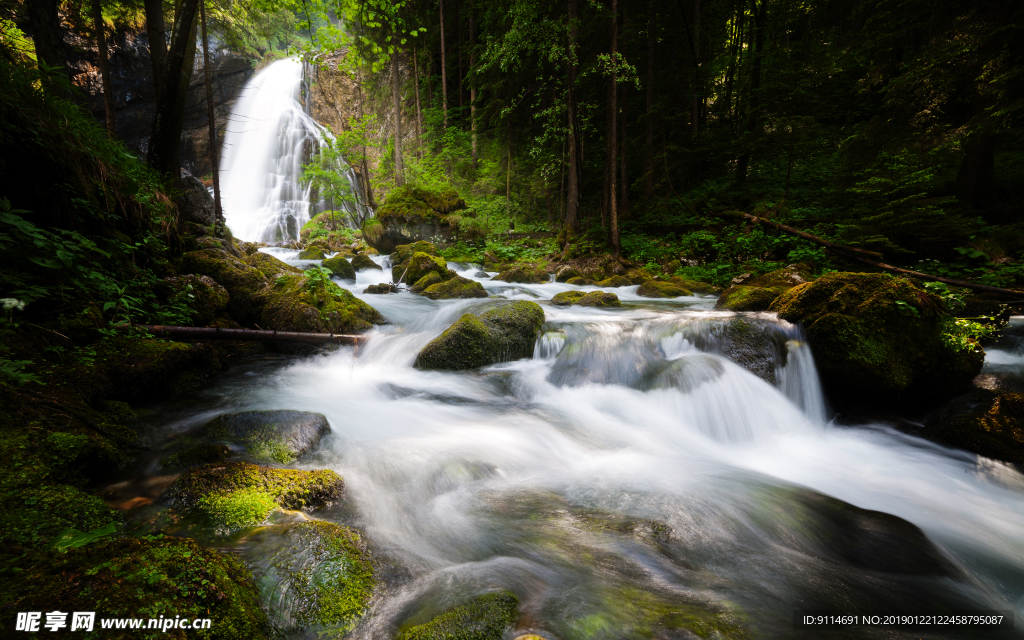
485	617
280	436
505	333
878	339
994	428
757	294
586	299
655	289
412	213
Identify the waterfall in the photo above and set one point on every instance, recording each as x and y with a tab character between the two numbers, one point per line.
270	135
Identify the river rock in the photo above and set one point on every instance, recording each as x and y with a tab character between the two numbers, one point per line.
281	436
655	289
456	287
757	294
878	339
383	287
197	455
312	253
615	281
993	427
412	213
271	267
362	261
428	280
294	303
507	332
522	274
586	299
341	268
564	273
485	617
419	265
243	282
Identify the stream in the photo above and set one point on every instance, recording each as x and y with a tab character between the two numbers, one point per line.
628	469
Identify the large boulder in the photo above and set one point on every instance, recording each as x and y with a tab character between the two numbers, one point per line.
361	261
269	266
195	204
201	294
485	617
586	299
403	253
340	267
411	213
878	339
456	287
244	282
279	436
993	428
298	303
419	265
655	289
507	332
757	294
312	253
615	281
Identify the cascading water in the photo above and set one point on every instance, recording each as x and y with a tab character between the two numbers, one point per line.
632	480
269	137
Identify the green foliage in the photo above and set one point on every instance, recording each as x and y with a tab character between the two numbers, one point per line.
73	538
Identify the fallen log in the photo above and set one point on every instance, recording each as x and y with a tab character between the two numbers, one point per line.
243	335
874	259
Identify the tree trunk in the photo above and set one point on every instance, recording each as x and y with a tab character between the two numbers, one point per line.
218	211
458	24
165	138
157	45
364	165
649	116
623	172
444	72
419	111
696	97
472	86
108	90
396	93
613	217
572	204
47	34
754	119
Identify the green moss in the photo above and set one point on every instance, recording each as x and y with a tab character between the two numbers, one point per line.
290	488
340	267
419	265
743	298
655	289
362	261
415	204
234	510
312	253
507	332
271	267
149	368
639	275
566	298
292	305
615	281
197	455
33	517
577	281
457	287
405	252
141	577
485	617
994	429
430	279
280	436
201	294
589	299
524	274
243	282
694	285
565	273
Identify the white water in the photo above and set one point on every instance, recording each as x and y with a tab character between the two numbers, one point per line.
474	481
270	135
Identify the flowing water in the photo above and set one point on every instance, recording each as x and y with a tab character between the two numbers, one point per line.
631	472
270	135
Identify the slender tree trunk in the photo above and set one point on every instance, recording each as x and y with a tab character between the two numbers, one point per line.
572	204
396	92
508	168
419	111
976	181
157	45
170	113
101	46
444	72
458	23
613	218
218	211
754	119
47	34
649	116
623	169
363	165
697	89
472	85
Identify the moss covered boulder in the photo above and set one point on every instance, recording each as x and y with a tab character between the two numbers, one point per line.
318	576
485	617
383	287
297	303
410	213
361	261
457	287
234	495
639	275
586	299
150	577
757	294
615	281
655	289
695	285
419	265
507	332
523	275
312	253
201	294
878	339
244	282
340	267
428	280
279	436
269	266
994	428
42	512
403	253
578	281
565	273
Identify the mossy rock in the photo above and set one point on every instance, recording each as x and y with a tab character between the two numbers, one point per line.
405	252
578	281
340	267
878	339
995	428
655	289
507	332
281	436
244	282
271	267
485	617
522	275
695	285
757	294
148	369
430	279
148	577
312	253
319	575
565	273
410	213
639	275
201	294
294	303
33	517
362	261
615	281
586	299
196	455
419	265
457	287
383	287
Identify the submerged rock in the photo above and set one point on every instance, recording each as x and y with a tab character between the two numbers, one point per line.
586	299
507	332
361	261
993	428
757	294
457	287
281	436
341	268
878	339
485	617
655	289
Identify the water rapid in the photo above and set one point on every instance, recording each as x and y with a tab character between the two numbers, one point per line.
653	461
